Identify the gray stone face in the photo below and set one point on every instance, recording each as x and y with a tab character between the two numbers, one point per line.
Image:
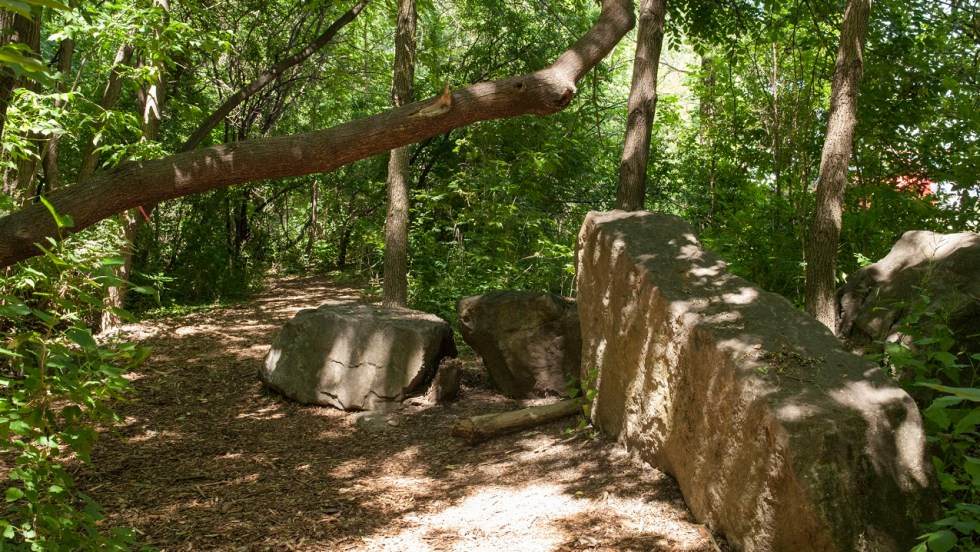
946	267
778	437
356	357
445	386
529	341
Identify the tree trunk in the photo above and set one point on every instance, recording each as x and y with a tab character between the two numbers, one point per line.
113	88
150	100
477	429
314	220
116	295
776	139
49	162
642	106
16	28
395	281
270	76
543	92
343	245
821	255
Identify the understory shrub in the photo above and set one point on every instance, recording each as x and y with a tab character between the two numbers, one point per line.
943	380
57	384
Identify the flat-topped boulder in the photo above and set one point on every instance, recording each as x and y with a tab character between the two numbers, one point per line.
357	357
778	437
530	342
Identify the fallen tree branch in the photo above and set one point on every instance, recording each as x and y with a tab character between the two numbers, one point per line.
148	182
477	429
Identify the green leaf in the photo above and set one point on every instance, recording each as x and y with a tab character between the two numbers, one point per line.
14	311
945	357
968	393
972	508
968	423
941	541
936	413
13	493
20	427
124	314
972	468
71	414
62	221
22	9
83	338
46	4
145	290
6	352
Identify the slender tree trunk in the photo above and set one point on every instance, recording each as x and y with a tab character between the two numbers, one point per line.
776	140
631	192
821	254
116	295
343	245
149	98
270	76
314	220
706	132
110	96
16	28
395	281
49	162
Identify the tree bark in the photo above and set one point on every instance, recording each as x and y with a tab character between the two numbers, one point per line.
821	254
26	31
150	100
113	89
631	192
15	29
49	161
128	185
314	220
115	297
394	287
477	429
269	76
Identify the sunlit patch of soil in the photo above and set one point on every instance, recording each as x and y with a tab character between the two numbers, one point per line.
208	459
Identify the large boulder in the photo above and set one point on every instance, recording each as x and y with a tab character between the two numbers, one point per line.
778	437
357	357
944	267
529	341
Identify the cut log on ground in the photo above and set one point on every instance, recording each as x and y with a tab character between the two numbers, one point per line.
481	428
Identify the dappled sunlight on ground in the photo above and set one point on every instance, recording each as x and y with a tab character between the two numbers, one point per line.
208	459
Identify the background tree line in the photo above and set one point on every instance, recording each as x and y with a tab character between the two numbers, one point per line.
735	145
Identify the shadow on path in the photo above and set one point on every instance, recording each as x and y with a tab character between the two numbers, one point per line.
207	459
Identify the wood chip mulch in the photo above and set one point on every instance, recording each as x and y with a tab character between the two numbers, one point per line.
208	459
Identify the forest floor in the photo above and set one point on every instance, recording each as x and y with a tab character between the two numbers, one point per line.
208	459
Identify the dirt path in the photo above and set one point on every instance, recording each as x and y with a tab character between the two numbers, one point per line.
207	459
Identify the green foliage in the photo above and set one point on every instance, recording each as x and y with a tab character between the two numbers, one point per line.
500	219
57	383
17	57
926	361
587	390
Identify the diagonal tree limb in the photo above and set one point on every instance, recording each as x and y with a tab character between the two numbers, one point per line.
543	92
